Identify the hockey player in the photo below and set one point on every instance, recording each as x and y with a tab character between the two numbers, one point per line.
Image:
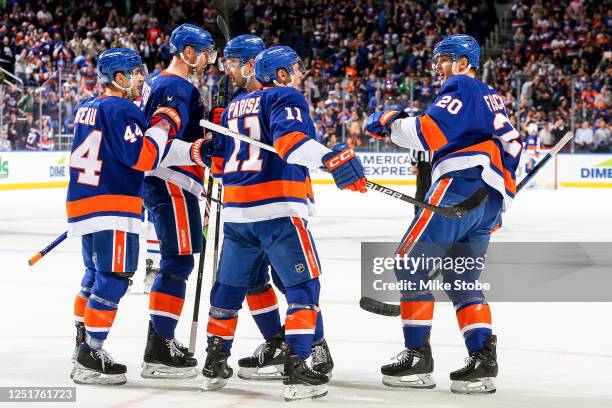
172	197
112	149
238	63
267	200
475	146
531	149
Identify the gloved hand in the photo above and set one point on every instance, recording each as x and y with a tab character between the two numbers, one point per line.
346	168
214	115
378	124
201	152
167	111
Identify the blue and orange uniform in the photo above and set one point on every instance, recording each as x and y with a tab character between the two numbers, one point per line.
475	146
111	151
172	198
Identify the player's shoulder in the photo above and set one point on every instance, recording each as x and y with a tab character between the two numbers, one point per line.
168	84
462	84
283	95
118	109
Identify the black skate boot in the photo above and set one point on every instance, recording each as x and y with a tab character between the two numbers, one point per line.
266	363
167	359
97	367
216	371
477	376
321	359
412	370
301	381
150	274
79	339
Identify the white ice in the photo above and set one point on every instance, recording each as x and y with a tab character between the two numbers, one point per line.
550	355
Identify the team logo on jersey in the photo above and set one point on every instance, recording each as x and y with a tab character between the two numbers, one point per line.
299	268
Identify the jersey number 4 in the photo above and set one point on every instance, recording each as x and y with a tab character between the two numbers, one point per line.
85	158
254	162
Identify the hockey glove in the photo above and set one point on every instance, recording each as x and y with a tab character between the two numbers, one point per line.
167	111
378	124
201	152
214	115
346	168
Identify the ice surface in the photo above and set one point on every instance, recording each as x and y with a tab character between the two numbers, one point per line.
550	354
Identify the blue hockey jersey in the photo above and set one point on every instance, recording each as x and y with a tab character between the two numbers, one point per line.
165	89
467	127
110	154
259	184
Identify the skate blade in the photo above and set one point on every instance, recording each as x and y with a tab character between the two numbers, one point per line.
211	384
164	372
268	373
415	381
476	386
86	376
297	392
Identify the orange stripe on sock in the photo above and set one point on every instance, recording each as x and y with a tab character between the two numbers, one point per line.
180	216
223	328
417	310
307	246
262	300
80	303
99	318
478	313
166	303
302	319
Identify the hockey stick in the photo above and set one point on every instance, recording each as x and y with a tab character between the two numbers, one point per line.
226	34
465	207
217	229
196	304
385	309
47	249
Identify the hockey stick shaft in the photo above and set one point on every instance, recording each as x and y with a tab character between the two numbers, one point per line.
386	309
196	304
459	210
217	230
47	249
226	34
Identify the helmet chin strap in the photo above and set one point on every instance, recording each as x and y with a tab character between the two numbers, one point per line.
456	71
245	76
194	69
126	90
289	84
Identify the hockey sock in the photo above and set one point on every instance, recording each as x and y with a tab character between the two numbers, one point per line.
225	303
475	324
264	309
168	294
101	307
302	300
80	301
416	322
319	334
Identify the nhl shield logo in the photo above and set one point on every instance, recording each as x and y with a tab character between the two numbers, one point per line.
299	268
94	257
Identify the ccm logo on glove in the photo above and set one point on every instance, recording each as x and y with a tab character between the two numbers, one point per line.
340	159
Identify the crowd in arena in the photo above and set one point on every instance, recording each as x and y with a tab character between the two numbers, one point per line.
362	56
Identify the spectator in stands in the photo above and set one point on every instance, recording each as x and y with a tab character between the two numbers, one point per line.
584	137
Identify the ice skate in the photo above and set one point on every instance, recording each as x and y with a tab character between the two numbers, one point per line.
216	371
79	339
97	367
412	369
301	381
167	359
266	363
321	359
150	274
477	376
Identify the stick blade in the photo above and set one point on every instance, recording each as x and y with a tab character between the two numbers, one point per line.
478	198
374	306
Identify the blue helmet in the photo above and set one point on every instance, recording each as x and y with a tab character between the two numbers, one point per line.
116	60
189	34
457	46
270	60
245	47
